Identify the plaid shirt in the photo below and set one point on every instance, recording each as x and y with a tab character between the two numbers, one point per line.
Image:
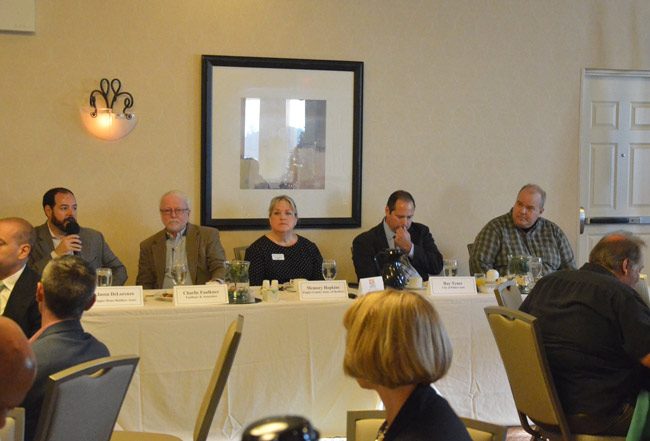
501	237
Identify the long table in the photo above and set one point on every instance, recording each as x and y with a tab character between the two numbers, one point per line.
289	362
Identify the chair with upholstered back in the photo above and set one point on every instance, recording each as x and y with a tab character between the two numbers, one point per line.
482	431
240	252
82	402
212	396
362	425
508	294
14	429
520	345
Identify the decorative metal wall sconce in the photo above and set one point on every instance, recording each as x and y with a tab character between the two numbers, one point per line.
102	122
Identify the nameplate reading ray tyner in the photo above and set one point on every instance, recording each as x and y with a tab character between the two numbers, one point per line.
452	285
200	295
323	290
110	296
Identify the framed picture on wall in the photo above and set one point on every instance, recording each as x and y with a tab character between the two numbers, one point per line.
273	126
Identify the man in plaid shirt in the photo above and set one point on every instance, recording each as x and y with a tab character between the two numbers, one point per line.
522	231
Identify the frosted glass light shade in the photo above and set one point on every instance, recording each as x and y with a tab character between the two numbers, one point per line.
108	125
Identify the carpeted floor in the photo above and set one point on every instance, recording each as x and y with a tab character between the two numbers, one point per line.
517	434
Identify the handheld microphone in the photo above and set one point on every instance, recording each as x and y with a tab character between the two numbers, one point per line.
72	227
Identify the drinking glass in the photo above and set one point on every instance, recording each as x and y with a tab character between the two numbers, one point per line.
179	272
329	269
104	276
449	267
536	268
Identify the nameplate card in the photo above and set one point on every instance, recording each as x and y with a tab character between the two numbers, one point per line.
109	296
212	294
323	290
370	284
452	285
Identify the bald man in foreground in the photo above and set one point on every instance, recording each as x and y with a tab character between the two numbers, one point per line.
17	367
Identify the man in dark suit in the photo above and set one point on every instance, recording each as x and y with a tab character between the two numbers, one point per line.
180	242
17	280
61	235
397	230
66	290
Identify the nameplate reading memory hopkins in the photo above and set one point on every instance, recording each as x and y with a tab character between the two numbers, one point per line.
452	285
323	290
213	294
109	296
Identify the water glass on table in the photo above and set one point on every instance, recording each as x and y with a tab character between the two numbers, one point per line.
536	267
179	272
104	276
449	267
329	269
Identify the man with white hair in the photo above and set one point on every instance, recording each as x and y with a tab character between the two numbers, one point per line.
17	367
180	242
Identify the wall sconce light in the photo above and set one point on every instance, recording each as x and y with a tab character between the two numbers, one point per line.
102	122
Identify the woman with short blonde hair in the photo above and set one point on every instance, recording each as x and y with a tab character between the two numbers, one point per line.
282	254
397	345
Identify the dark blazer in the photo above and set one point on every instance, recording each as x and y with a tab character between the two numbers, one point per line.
22	306
94	250
62	345
426	257
205	257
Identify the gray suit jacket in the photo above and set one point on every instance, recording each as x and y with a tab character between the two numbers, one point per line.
205	257
94	250
62	345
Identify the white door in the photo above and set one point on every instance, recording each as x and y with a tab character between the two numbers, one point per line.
614	156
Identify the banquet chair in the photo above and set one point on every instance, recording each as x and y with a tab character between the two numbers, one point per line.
508	295
240	252
520	345
82	402
482	431
362	425
14	429
212	394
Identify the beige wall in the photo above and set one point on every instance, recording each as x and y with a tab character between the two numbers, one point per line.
464	102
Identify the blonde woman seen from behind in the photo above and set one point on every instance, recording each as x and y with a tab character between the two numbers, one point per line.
397	346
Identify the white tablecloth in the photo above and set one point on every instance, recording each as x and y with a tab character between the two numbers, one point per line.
289	362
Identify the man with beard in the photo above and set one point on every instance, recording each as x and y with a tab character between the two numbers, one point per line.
180	242
61	235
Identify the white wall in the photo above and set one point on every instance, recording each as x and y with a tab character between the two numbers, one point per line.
464	102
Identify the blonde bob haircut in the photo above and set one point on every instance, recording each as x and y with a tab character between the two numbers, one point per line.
395	338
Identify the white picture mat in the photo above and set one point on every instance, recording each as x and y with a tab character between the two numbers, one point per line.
229	86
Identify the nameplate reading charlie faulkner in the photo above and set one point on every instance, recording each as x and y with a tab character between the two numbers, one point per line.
110	296
452	285
200	295
323	290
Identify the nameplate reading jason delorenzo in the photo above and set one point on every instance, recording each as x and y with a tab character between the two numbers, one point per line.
110	296
200	295
323	290
452	285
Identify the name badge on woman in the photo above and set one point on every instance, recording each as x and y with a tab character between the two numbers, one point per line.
278	256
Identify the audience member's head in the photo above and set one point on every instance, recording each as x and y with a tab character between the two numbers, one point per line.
395	338
67	287
16	241
174	211
60	207
529	206
620	252
17	367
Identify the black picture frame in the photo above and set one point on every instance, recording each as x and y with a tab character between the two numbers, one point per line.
225	204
